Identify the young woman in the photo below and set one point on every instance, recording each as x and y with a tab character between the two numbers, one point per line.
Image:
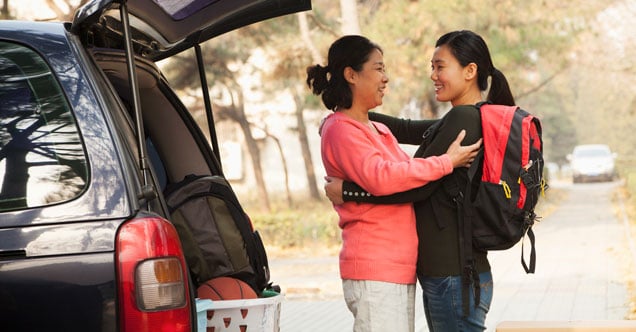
461	66
379	242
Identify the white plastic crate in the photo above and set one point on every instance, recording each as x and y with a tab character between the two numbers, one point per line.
251	315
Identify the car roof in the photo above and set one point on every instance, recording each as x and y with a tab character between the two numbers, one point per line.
592	147
162	28
592	150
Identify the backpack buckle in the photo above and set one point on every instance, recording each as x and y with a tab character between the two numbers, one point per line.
529	218
459	197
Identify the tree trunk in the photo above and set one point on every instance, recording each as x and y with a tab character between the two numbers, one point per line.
255	155
316	57
300	120
304	146
349	17
5	10
283	160
236	112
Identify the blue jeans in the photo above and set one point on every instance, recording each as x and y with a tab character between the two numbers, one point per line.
443	304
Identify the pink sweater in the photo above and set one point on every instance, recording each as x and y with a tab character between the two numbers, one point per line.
379	242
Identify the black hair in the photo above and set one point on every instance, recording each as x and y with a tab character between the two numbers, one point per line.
468	47
348	51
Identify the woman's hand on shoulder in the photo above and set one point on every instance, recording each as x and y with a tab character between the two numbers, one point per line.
463	156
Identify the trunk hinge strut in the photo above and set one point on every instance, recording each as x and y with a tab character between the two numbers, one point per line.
147	191
208	106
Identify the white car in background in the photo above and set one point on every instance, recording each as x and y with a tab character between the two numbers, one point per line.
592	162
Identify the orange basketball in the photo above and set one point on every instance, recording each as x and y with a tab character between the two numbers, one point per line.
225	288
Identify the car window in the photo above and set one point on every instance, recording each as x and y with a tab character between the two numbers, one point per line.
42	159
179	10
592	152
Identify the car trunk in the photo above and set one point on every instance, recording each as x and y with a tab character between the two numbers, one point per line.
158	29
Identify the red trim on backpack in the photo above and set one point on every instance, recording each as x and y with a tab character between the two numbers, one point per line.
496	122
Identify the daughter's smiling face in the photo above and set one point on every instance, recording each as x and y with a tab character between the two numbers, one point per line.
452	81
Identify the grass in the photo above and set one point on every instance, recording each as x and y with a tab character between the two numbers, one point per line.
309	227
625	200
628	195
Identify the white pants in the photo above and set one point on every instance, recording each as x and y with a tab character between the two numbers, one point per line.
379	306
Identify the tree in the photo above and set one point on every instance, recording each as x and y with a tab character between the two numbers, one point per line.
223	60
286	77
528	48
5	13
349	17
236	50
535	50
302	104
601	101
64	9
520	44
36	131
236	112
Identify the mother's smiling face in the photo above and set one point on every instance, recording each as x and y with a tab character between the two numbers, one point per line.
369	84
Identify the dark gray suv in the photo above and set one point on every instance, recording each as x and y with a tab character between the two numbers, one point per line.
90	135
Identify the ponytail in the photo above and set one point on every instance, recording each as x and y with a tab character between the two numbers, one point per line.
499	92
318	82
317	79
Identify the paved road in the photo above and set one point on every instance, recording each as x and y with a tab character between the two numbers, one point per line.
583	261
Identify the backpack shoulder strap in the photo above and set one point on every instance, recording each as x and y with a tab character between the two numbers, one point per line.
469	274
465	214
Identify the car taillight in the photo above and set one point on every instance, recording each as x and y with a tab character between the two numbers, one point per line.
152	279
160	284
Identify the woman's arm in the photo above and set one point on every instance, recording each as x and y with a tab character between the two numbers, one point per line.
462	117
406	131
339	191
359	156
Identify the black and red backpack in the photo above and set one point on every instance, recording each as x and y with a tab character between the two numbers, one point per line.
496	209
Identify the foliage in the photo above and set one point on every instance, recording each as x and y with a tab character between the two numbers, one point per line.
528	41
559	132
599	90
520	44
308	223
539	46
554	54
558	136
